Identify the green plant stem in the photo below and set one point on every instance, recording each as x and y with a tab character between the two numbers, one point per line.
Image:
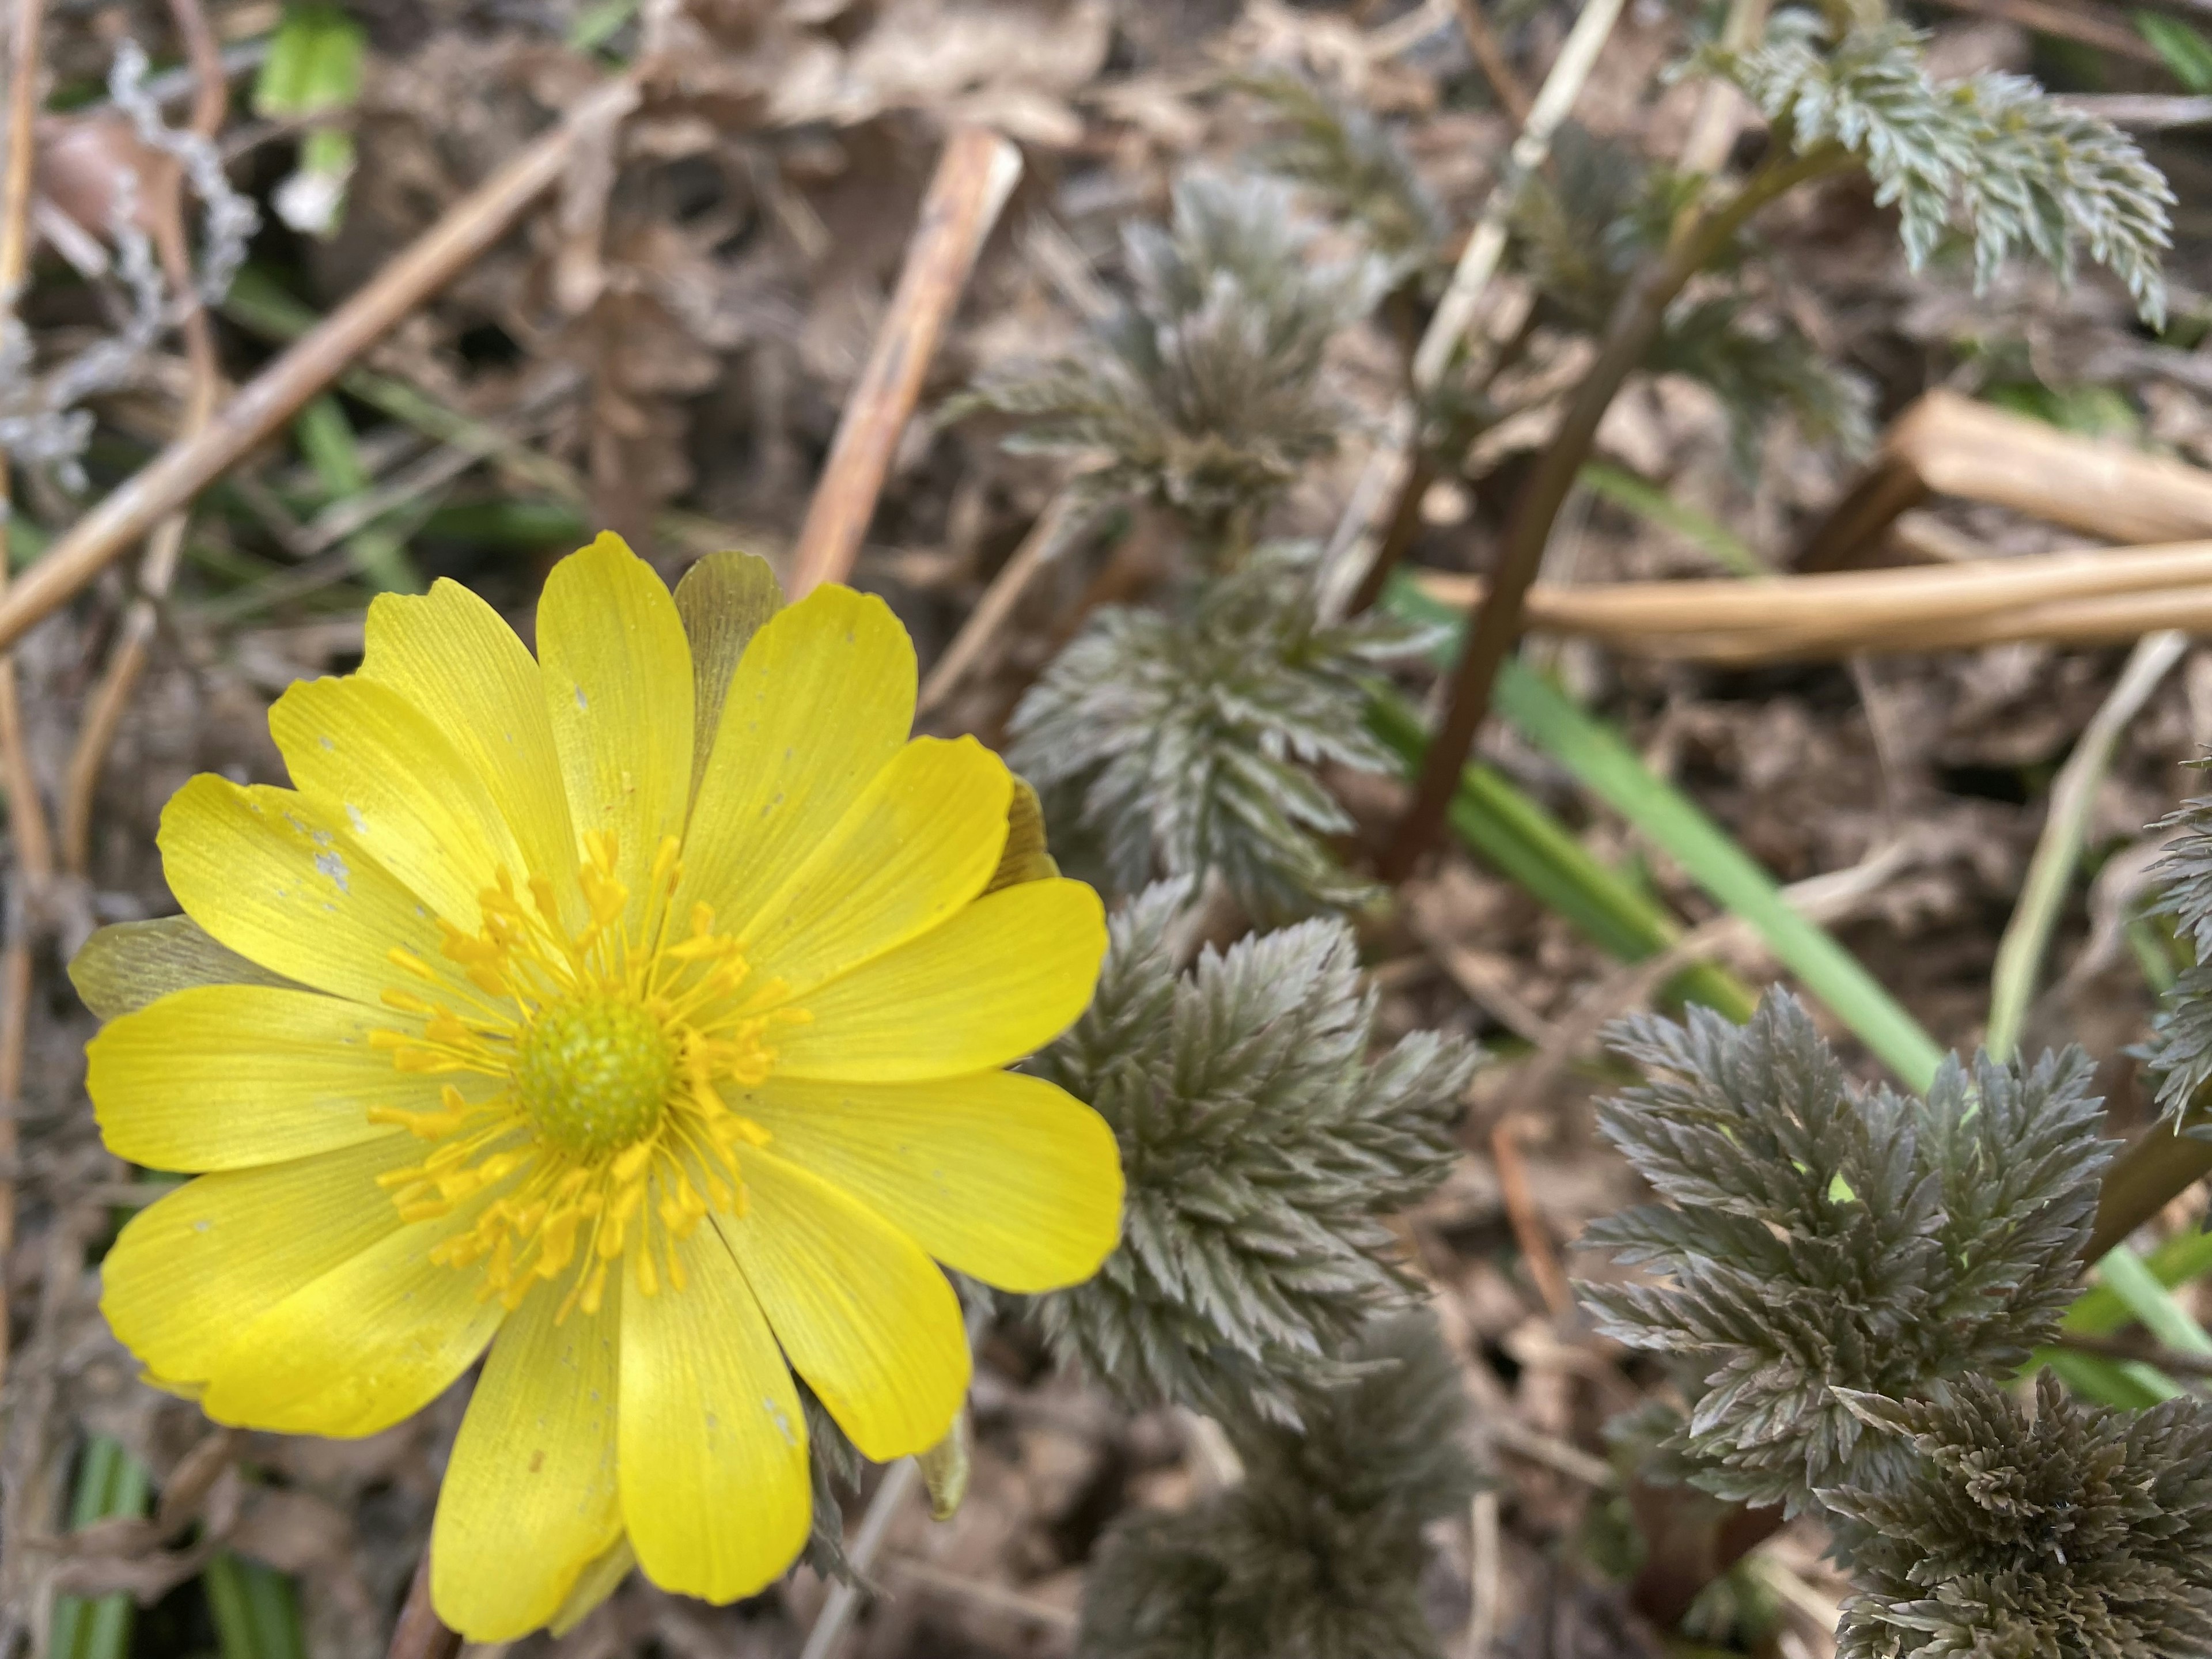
2058	850
2158	1167
1637	321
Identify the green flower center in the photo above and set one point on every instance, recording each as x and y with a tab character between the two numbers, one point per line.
592	1073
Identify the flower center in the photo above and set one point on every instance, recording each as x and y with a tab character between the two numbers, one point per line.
591	1074
596	1135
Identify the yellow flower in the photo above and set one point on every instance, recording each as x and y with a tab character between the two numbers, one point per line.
635	1012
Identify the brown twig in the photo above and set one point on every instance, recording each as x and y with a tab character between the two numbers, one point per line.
1490	55
126	659
2064	20
1636	323
2158	1166
1528	1222
420	1633
27	814
469	228
974	177
1055	525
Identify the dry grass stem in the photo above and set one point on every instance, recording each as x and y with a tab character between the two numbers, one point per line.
2078	598
33	843
1059	521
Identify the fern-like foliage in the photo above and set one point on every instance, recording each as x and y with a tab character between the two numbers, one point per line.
2082	1531
1339	151
1991	154
1585	229
1822	1237
1317	1554
1203	393
2181	1047
1183	742
1261	1148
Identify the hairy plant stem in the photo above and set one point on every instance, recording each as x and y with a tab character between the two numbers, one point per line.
1636	323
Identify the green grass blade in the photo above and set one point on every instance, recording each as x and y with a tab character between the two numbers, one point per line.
255	1613
110	1481
2099	1310
1526	844
1614	772
1649	502
1605	765
2187	52
2147	1298
2128	1383
326	439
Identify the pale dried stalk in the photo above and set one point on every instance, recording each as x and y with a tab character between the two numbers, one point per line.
1706	149
27	813
1045	538
976	173
2057	855
468	229
1948	445
1389	466
2078	596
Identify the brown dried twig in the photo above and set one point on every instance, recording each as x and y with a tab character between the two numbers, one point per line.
1055	525
1635	325
27	813
1489	53
974	177
468	229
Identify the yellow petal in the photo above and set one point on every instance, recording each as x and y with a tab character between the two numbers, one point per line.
867	1319
226	1077
618	692
126	965
190	1269
1001	979
370	759
1003	1177
449	654
916	846
272	876
723	599
530	1500
716	1492
370	1342
822	700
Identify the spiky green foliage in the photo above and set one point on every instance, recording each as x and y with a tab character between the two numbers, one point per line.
1261	1147
2182	1032
1338	149
1184	741
1598	216
1203	393
2082	1533
1990	154
1822	1237
1317	1554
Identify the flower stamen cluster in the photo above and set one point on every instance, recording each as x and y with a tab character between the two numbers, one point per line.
607	1135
